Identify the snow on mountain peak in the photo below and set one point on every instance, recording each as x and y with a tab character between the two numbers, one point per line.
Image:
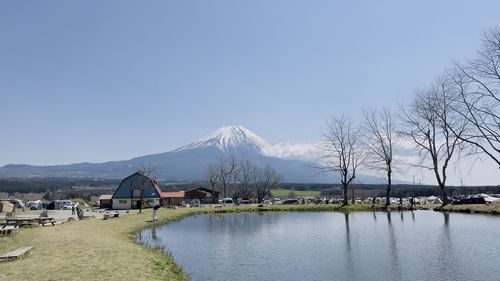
228	138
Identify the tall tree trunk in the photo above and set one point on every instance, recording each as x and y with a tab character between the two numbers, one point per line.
444	196
346	201
388	189
213	194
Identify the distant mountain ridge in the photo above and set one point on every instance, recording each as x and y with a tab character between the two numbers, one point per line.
189	162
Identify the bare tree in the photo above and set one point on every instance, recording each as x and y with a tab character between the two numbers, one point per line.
226	168
145	171
478	90
428	122
266	179
245	176
213	178
380	138
343	153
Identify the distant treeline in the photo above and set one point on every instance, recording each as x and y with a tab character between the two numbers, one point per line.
364	190
42	185
59	188
403	190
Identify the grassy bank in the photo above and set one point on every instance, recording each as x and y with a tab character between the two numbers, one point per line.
299	193
90	250
96	249
471	209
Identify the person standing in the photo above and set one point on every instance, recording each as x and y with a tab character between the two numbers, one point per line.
155	212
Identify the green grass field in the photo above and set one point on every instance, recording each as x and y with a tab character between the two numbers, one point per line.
283	193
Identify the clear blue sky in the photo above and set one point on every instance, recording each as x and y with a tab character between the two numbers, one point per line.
108	80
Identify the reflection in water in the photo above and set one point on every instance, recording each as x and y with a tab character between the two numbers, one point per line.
333	246
153	233
401	214
347	232
396	270
446	254
446	219
235	223
348	250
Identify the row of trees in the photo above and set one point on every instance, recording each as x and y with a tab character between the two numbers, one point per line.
457	115
349	146
243	177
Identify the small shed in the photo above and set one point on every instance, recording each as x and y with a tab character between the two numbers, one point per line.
172	198
106	201
205	195
6	207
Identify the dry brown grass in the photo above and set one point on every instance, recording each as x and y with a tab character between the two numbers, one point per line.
90	250
107	250
493	209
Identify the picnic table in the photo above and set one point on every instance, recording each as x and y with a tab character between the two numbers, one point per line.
20	222
44	220
16	253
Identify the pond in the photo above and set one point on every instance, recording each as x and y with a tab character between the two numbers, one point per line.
420	245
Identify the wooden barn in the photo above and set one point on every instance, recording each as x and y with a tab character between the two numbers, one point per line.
205	196
106	201
135	192
172	198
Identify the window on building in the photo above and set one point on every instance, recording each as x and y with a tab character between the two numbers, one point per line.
136	192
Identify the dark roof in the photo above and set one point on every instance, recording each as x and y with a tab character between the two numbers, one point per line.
148	188
203	189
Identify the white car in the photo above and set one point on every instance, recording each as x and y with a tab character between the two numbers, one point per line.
227	201
276	201
68	206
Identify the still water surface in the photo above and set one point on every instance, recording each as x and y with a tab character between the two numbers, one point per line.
420	245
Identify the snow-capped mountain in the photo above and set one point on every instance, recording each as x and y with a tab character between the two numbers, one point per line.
189	162
229	139
232	138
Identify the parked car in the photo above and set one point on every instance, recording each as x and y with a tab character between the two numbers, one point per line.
68	206
266	202
335	201
227	201
36	206
290	202
276	201
469	200
195	203
245	202
318	201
